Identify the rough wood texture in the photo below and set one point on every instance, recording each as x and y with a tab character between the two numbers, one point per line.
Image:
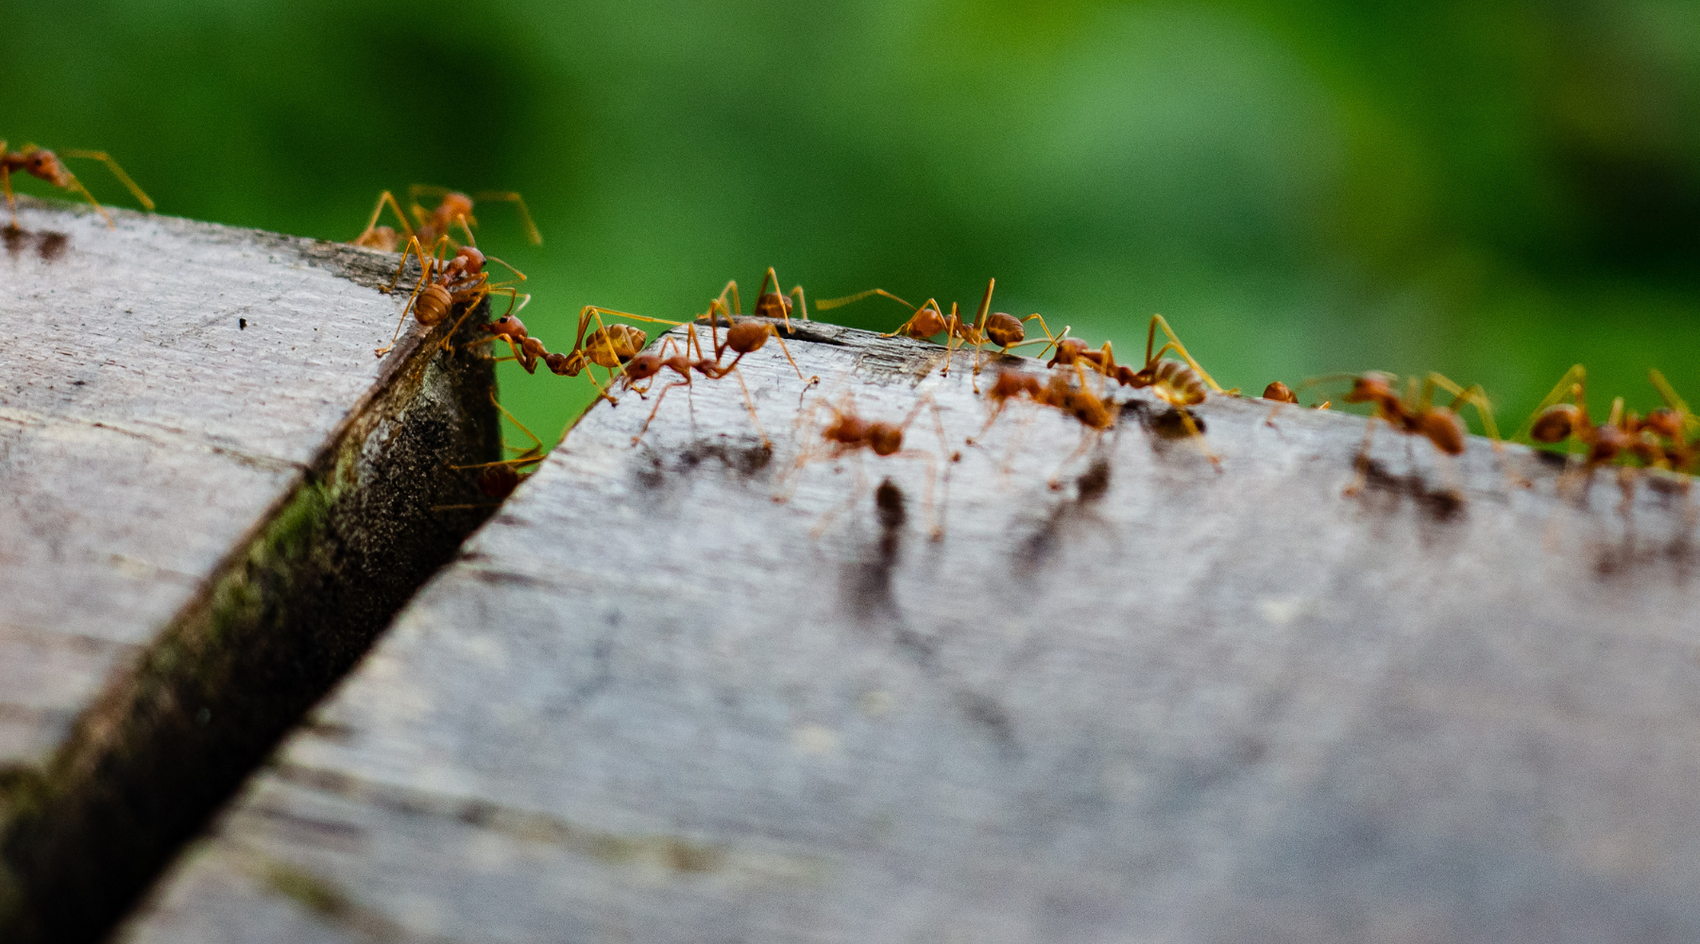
211	498
1158	703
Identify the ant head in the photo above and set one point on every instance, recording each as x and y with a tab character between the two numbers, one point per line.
1280	392
928	321
508	325
1665	422
1445	429
1068	351
1556	423
1004	329
1374	386
470	259
455	205
884	438
498	481
642	367
46	165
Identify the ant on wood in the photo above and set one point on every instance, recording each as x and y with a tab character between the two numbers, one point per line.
607	346
499	479
1414	413
1658	440
46	165
1176	383
1279	393
998	328
448	281
1076	399
427	226
744	337
849	433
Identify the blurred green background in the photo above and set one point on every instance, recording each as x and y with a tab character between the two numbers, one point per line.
1490	189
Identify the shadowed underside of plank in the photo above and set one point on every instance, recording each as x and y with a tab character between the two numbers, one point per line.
1125	697
212	496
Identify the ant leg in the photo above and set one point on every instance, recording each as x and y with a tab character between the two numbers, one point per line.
845	505
849	299
117	172
720	300
77	185
1570	385
1362	463
1198	437
378	210
802	303
6	185
810	381
750	404
1179	348
531	232
657	407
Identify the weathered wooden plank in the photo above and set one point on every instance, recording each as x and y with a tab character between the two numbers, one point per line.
1154	703
211	497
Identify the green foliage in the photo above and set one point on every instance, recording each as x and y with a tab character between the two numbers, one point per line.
1492	190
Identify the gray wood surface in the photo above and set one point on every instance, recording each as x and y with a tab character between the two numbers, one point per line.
195	440
1155	703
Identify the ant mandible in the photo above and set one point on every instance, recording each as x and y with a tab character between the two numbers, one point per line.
453	208
46	165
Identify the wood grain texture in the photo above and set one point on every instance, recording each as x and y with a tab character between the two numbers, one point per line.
199	457
1154	703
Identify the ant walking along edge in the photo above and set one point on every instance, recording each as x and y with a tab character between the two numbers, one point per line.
1413	413
849	433
446	282
46	165
453	208
499	479
1000	329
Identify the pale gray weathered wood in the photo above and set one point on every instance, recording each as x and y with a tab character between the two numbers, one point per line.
1157	703
192	425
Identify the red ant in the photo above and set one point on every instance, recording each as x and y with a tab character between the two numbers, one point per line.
46	165
608	346
744	337
772	304
998	328
1076	398
646	366
499	479
1178	384
1414	413
446	283
1623	434
1280	393
428	226
849	433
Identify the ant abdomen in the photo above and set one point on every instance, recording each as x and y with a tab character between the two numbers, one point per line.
1556	423
1445	429
1004	330
1177	383
433	305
